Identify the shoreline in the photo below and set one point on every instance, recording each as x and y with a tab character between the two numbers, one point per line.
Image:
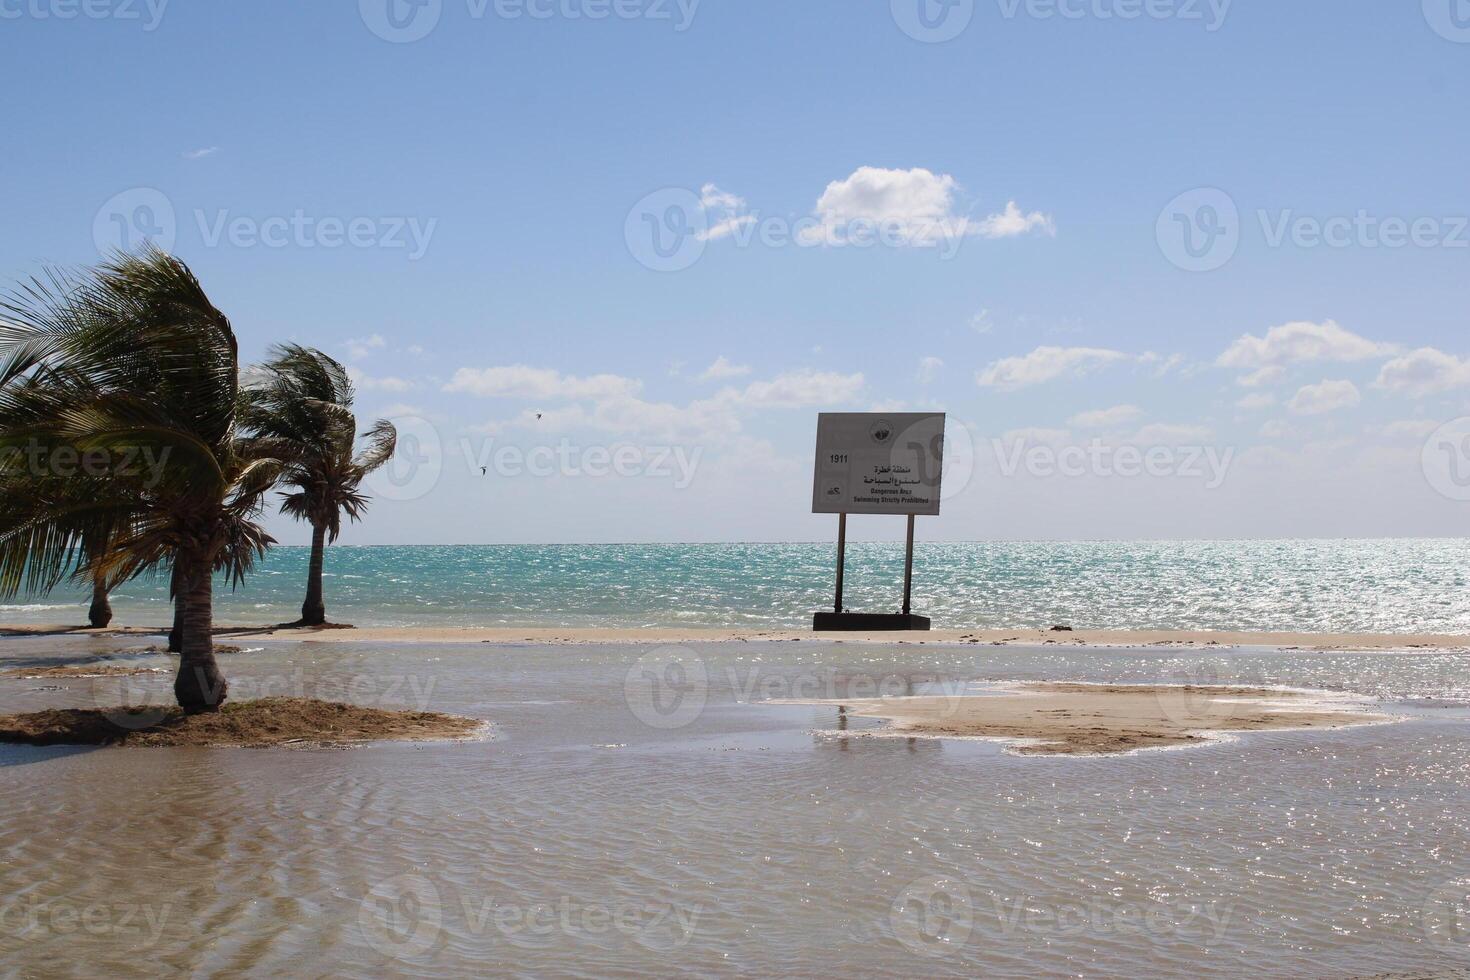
662	635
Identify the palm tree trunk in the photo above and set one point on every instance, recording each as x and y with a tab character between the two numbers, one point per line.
314	610
101	612
200	686
176	635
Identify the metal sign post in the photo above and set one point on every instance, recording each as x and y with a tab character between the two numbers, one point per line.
877	464
841	558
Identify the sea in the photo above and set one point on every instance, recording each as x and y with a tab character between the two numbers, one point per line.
1385	586
664	811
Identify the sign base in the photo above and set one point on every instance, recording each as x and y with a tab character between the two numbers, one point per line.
877	622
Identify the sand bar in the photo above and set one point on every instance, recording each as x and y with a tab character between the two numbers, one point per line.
658	635
1107	719
239	724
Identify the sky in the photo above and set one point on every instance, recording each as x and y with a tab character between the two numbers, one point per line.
1172	268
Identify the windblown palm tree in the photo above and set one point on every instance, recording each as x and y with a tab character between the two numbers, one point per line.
300	411
119	407
99	613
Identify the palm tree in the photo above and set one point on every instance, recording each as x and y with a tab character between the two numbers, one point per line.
99	614
300	410
129	369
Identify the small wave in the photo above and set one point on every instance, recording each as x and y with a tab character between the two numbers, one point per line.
40	606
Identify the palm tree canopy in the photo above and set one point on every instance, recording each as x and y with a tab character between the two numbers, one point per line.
119	408
299	409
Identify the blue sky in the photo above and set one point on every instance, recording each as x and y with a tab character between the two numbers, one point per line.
1030	178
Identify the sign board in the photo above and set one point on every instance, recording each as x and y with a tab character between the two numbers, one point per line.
878	463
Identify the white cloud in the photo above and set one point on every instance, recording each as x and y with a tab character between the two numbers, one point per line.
1161	365
1163	434
797	389
928	369
360	347
1295	343
1276	429
915	207
1047	437
1256	402
528	383
1405	430
1424	372
1106	418
981	322
1268	375
725	213
1012	222
608	403
722	368
201	153
1046	364
1328	396
366	382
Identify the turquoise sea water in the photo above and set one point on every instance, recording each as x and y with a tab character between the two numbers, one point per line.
1389	586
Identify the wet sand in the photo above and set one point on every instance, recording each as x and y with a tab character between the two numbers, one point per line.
1107	719
77	671
244	724
1000	637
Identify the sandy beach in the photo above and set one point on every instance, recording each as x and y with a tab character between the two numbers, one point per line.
1003	637
1106	719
